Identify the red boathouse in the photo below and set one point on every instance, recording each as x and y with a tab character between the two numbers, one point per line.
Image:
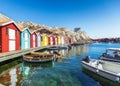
9	36
51	40
33	39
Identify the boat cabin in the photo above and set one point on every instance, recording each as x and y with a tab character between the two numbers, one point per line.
111	54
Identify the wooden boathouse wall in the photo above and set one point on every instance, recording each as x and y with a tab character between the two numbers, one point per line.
38	39
10	37
0	40
25	39
33	40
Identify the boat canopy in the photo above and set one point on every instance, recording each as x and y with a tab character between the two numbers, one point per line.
113	49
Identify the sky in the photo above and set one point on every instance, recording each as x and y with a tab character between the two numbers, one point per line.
98	18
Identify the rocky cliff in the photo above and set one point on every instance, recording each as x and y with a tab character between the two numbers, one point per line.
80	36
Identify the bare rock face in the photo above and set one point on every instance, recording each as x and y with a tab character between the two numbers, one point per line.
80	36
31	25
76	36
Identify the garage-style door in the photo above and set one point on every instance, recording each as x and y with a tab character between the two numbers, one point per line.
12	41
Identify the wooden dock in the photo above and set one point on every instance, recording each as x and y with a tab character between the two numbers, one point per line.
15	54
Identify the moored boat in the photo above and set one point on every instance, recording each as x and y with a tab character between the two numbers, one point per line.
53	48
111	54
38	57
77	43
63	47
110	71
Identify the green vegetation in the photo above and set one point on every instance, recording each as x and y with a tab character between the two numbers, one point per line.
103	81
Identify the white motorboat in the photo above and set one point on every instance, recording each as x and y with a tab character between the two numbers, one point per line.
106	69
111	54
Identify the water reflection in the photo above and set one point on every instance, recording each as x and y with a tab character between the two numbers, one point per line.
11	77
79	50
28	68
65	71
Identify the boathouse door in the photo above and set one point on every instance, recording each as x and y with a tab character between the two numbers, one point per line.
38	40
0	41
34	41
12	43
51	40
26	40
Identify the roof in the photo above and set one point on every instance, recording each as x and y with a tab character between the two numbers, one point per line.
32	31
44	31
22	27
4	19
114	49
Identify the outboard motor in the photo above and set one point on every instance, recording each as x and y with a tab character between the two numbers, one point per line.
87	59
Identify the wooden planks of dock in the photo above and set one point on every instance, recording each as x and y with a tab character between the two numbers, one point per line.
15	54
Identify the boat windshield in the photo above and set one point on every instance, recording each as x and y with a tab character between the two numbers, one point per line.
113	53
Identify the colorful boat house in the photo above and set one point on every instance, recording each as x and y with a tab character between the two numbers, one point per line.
51	39
38	39
9	36
45	37
33	39
62	40
59	39
24	36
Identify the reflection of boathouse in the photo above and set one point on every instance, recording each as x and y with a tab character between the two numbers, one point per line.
11	78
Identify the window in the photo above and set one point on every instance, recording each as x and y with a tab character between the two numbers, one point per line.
7	31
12	34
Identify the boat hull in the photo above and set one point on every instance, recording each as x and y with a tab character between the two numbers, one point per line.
110	59
37	61
103	73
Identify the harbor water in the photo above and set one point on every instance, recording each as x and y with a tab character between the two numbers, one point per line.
65	71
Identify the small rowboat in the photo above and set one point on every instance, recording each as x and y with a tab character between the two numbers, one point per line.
38	57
